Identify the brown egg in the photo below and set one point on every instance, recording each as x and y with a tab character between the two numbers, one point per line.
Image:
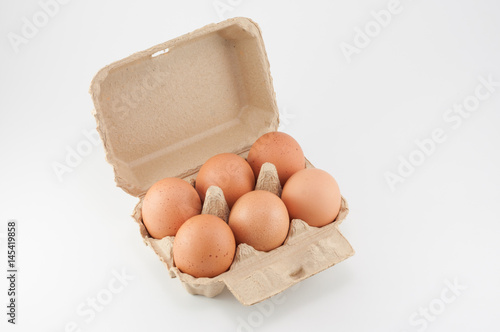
260	219
204	246
229	172
279	149
312	195
167	205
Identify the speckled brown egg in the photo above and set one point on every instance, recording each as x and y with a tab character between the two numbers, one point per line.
229	172
259	219
280	149
204	246
167	205
312	195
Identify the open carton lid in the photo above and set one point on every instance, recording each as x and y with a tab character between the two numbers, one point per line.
164	111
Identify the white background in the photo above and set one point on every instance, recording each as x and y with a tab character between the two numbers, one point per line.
353	119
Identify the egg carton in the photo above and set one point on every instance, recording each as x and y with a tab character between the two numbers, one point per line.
162	112
256	275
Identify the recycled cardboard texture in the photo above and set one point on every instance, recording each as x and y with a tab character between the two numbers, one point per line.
164	111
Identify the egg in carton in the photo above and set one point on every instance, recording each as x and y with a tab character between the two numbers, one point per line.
256	275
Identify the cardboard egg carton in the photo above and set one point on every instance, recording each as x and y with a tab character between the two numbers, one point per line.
164	111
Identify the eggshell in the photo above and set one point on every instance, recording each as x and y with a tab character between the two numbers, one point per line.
312	195
167	205
204	246
259	219
280	149
229	172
